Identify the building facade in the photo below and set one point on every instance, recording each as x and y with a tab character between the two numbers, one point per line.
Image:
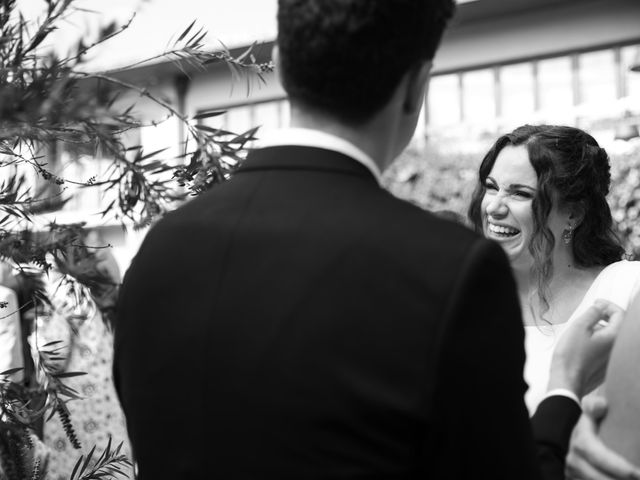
501	64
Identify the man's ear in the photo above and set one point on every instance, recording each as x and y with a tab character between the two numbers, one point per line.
416	87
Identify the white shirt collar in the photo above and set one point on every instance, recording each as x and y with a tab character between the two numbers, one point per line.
306	137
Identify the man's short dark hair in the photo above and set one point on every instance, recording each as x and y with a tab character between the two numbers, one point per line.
346	57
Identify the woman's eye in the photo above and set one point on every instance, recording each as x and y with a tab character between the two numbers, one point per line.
490	186
522	194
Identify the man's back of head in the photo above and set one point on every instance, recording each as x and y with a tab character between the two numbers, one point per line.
346	57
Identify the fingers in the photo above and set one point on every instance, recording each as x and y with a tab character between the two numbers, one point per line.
592	316
582	470
603	317
589	458
595	407
608	307
613	315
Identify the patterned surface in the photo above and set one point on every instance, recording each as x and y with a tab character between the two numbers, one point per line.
98	415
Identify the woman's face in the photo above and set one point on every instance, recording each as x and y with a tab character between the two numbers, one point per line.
506	207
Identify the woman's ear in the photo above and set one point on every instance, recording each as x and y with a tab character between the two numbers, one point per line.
576	215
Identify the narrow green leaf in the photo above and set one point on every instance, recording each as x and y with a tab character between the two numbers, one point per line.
246	52
68	374
215	131
88	459
11	371
148	155
75	468
186	32
209	114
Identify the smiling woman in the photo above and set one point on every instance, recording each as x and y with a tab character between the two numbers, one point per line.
509	191
541	194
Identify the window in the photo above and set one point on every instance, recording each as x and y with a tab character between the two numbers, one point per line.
156	137
81	162
555	86
478	96
517	92
444	100
266	115
239	119
631	79
597	77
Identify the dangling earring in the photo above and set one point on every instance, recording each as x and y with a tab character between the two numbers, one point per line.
567	234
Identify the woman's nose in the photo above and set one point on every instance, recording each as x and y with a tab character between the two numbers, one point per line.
496	206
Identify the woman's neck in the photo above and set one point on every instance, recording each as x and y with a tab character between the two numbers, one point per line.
565	291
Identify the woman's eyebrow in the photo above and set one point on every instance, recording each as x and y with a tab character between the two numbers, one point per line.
520	185
513	186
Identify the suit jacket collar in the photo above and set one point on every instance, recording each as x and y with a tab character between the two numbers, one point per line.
310	137
293	157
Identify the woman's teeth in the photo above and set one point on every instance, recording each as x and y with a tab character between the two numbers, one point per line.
503	231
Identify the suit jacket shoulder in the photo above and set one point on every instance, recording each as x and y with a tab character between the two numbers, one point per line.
343	330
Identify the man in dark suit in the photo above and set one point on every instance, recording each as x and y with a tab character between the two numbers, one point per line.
299	321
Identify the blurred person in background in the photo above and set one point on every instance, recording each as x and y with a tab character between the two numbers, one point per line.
82	294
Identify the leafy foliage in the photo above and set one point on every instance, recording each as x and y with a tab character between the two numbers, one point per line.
107	465
48	101
435	179
625	196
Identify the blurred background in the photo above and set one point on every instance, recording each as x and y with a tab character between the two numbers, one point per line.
502	64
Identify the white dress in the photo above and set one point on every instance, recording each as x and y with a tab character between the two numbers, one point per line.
618	283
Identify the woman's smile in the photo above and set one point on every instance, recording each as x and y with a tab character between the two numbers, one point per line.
501	231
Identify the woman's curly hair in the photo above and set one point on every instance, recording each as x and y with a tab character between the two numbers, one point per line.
572	170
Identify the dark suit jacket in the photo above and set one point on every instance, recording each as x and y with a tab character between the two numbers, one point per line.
300	322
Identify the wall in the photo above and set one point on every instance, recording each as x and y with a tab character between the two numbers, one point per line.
551	30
